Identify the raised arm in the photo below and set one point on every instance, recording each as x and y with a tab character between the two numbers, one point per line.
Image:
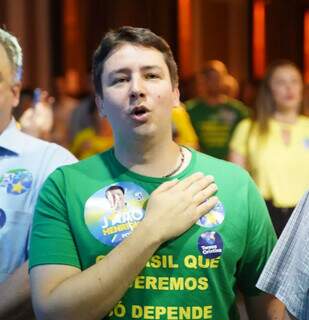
65	292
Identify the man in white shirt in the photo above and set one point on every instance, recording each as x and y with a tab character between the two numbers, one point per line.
25	163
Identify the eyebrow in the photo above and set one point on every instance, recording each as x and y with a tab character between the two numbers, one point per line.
151	67
127	70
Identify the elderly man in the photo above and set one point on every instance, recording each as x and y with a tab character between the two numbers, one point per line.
286	274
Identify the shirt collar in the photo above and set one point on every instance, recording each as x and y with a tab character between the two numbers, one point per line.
10	138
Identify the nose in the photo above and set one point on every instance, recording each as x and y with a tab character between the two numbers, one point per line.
137	89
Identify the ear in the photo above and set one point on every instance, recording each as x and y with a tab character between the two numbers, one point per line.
176	97
99	103
15	89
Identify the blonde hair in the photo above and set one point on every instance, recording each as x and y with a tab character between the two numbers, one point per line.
13	51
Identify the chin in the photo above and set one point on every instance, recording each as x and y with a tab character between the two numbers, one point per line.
144	131
292	108
289	106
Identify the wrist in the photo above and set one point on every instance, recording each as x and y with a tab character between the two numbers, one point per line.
149	235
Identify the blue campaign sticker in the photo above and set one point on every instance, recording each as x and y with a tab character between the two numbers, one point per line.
16	181
112	213
210	244
2	218
306	143
213	217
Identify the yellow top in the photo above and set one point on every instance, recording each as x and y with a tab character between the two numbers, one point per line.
280	169
184	133
87	143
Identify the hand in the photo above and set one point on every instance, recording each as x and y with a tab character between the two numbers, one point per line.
176	205
46	99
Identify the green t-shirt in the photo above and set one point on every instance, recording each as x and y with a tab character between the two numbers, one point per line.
214	125
80	217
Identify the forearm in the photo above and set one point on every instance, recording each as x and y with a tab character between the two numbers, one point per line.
265	307
15	302
65	292
93	293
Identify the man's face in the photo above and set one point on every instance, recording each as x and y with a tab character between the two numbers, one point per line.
116	199
137	92
9	92
213	82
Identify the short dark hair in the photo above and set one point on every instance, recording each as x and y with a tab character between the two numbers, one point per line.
136	36
116	187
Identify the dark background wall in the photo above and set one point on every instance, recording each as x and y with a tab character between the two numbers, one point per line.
59	36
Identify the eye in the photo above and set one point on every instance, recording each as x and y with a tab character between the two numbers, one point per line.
152	75
119	80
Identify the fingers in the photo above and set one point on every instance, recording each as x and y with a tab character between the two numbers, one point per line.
166	186
46	98
187	182
206	206
205	193
191	185
199	185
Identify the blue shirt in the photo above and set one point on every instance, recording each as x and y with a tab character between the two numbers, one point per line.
25	163
286	274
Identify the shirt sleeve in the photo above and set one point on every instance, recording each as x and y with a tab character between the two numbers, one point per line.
239	141
286	274
260	241
51	228
62	156
55	156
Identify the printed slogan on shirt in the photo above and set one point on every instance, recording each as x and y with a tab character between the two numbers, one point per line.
170	284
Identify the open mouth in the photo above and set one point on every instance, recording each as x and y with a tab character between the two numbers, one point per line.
139	111
139	114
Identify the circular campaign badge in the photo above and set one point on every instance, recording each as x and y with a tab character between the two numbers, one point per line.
17	181
112	213
2	218
213	217
210	244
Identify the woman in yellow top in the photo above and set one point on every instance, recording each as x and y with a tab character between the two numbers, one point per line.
274	145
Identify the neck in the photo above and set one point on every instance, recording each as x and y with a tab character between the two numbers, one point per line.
289	116
155	159
214	99
4	124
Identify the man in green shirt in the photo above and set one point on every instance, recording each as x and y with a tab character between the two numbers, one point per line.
213	114
172	250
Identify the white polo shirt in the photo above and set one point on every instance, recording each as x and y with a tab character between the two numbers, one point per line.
25	163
